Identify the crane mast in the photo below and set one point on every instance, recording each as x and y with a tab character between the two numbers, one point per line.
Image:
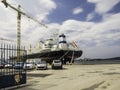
18	33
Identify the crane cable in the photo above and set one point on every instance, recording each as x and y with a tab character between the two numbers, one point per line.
7	39
63	55
72	58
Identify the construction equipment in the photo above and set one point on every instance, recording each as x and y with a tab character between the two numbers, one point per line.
19	23
23	13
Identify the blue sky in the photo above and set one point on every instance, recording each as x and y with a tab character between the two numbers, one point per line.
65	10
93	24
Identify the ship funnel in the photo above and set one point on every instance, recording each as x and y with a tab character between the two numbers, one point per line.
62	42
62	38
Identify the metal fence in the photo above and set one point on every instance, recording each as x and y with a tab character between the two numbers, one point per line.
11	66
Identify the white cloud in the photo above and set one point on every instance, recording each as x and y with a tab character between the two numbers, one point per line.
30	30
95	39
103	6
74	28
76	25
77	10
101	52
90	16
38	8
110	23
89	31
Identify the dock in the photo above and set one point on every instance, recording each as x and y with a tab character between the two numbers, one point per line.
75	77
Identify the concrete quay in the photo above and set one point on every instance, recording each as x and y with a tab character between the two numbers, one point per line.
75	77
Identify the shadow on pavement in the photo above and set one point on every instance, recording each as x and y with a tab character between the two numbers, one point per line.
38	75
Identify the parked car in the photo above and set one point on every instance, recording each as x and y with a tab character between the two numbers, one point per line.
2	63
28	65
57	64
1	66
41	65
9	65
18	65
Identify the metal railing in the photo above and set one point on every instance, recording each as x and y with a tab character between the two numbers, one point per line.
11	74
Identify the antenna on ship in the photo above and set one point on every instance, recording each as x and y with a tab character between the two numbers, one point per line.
19	23
56	36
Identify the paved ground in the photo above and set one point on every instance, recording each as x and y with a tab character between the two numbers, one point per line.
75	77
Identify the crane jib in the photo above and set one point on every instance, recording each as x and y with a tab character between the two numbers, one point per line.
35	20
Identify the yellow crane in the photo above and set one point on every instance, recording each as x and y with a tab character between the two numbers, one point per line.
19	23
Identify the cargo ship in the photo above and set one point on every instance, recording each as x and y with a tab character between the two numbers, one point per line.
56	48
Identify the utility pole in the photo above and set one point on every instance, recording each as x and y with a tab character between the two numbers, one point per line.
18	33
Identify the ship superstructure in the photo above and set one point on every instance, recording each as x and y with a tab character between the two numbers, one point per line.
56	48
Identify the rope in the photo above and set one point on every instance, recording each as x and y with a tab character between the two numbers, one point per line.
72	58
63	55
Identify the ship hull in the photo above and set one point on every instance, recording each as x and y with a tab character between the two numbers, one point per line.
49	56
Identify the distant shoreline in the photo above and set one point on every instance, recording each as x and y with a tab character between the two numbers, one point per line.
98	61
